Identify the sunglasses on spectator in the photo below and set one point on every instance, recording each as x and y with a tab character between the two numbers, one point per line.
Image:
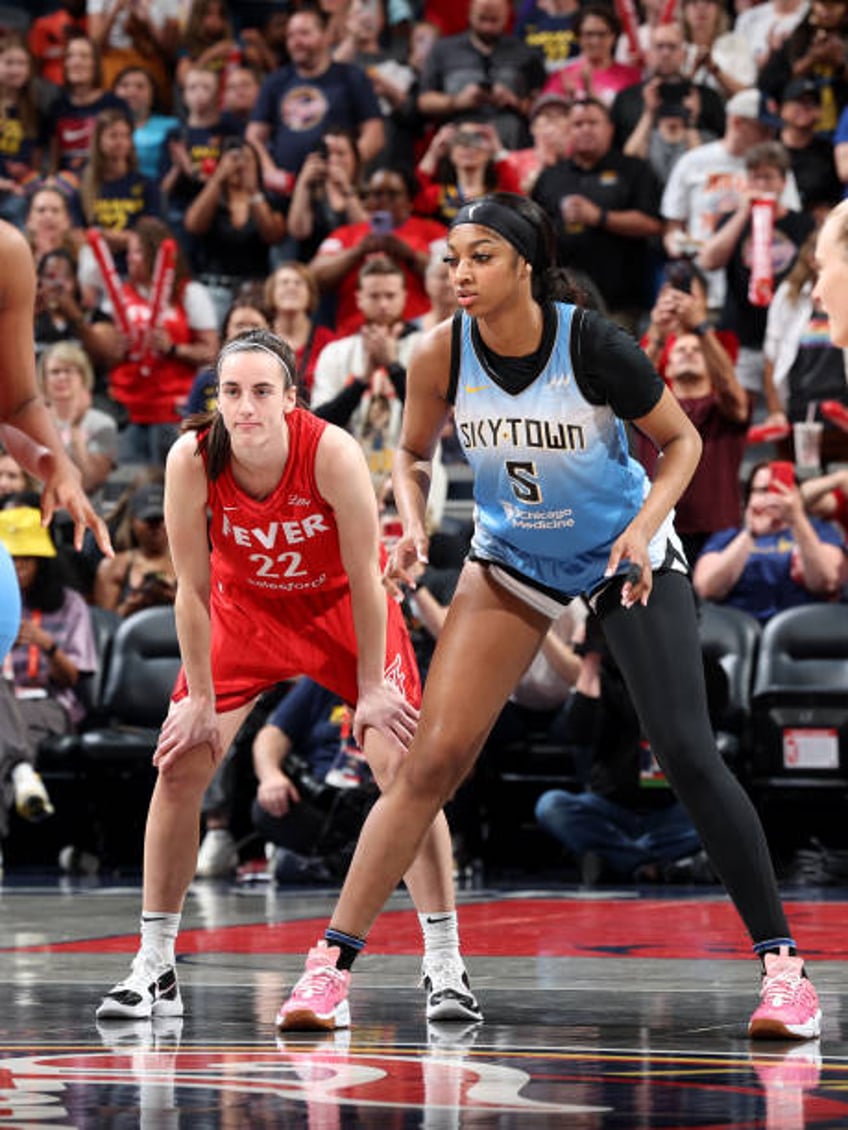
379	193
471	138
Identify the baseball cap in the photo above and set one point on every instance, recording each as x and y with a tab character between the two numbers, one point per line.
544	101
799	88
148	502
753	104
22	533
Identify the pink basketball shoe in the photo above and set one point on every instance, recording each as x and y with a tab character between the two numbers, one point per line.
789	1004
319	999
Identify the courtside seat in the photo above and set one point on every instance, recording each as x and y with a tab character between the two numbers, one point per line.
511	781
730	638
59	753
139	678
115	757
59	761
799	704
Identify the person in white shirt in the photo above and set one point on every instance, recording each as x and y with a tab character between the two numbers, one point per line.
766	26
709	179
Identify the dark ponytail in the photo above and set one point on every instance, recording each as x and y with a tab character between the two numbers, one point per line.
212	436
551	283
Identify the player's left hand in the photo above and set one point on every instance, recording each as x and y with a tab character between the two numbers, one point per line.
190	723
385	708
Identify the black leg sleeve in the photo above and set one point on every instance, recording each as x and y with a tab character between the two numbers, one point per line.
658	651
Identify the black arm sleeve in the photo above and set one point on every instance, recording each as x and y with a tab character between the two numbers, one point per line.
611	368
397	375
340	409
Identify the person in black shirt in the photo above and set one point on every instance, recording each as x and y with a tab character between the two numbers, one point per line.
604	207
810	154
666	64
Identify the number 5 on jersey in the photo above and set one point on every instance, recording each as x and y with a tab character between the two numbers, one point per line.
524	481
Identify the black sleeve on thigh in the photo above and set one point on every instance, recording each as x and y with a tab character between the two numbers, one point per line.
658	651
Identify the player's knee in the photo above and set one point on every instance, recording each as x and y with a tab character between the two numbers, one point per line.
436	771
188	775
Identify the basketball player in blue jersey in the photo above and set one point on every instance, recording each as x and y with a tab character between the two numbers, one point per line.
26	429
540	389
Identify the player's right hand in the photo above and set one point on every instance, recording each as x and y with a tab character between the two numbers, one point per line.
403	567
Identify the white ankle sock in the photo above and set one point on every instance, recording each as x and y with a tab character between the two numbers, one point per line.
441	933
159	931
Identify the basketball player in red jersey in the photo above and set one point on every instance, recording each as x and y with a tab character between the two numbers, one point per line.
293	586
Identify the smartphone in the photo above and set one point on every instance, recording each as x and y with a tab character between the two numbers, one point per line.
674	92
322	149
782	472
382	223
678	274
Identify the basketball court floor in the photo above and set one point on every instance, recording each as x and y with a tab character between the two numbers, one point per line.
603	1008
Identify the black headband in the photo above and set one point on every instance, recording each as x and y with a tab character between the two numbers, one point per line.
505	221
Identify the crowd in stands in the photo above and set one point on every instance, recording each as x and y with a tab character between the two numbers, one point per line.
187	169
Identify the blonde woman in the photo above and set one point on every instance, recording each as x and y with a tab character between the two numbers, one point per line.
89	435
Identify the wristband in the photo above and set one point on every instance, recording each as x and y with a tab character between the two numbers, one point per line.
51	651
701	328
602	222
257	198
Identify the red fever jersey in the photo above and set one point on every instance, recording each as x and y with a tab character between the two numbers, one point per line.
280	599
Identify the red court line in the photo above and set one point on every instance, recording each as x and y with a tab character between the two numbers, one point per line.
535	927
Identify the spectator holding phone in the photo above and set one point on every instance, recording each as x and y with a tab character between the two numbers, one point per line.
141	574
484	73
665	131
325	194
779	557
702	377
235	223
390	229
462	162
60	314
666	75
672	314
